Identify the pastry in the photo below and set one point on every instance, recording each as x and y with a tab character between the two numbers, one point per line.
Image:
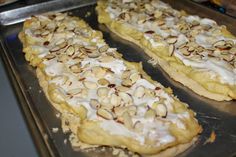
115	103
193	51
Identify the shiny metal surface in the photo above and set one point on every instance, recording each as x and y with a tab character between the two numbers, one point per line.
213	116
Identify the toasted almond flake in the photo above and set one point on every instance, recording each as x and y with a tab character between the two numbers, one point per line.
115	100
63	58
70	51
127	83
49	56
157	14
94	54
132	110
171	50
139	92
102	91
55	49
45	33
219	44
103	49
171	40
138	126
106	59
161	110
94	104
125	97
127	120
90	85
150	114
103	82
122	88
106	114
75	68
74	91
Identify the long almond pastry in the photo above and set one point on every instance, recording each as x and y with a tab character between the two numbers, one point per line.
193	51
117	104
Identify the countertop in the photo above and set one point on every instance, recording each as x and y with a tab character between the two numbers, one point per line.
15	138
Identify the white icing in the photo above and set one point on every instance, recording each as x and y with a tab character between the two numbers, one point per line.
117	66
220	67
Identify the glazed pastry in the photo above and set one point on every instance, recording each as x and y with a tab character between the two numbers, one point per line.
193	51
116	102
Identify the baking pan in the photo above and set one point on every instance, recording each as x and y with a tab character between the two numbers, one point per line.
219	117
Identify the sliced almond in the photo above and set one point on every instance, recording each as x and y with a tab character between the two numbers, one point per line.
74	91
127	120
157	14
134	77
171	50
161	110
138	126
150	114
119	110
185	52
106	114
49	56
191	48
99	72
115	100
139	92
90	85
75	68
102	91
132	110
127	99
122	89
219	44
103	49
63	58
82	112
103	82
126	74
171	40
45	33
124	16
70	51
55	49
227	57
106	59
94	104
127	83
94	54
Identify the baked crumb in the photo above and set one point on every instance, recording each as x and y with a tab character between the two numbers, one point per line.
58	115
211	139
65	141
55	130
88	14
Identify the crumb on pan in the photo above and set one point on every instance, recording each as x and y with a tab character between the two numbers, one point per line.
88	14
211	139
55	130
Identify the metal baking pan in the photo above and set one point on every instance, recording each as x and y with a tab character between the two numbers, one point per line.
41	116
